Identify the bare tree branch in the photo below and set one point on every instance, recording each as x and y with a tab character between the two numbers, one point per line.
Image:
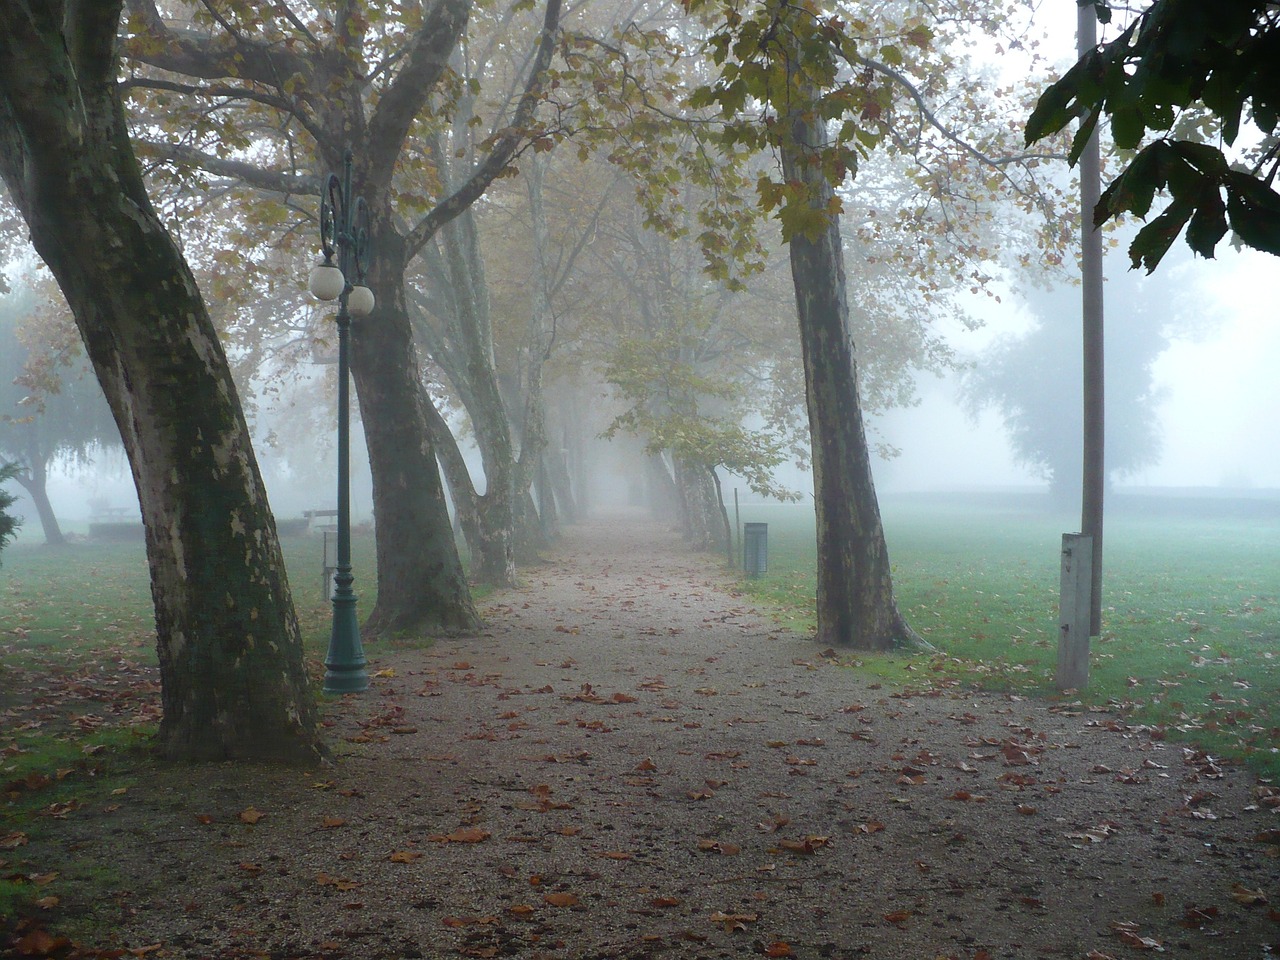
505	147
251	174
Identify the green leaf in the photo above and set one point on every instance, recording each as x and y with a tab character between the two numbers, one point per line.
1127	126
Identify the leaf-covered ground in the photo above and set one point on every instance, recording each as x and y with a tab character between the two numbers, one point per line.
631	761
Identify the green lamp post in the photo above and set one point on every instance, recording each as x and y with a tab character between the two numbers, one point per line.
344	223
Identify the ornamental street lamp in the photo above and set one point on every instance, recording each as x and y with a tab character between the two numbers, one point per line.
344	222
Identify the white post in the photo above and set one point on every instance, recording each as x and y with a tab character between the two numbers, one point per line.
1074	611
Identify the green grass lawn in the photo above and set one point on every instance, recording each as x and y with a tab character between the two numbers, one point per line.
1191	623
87	599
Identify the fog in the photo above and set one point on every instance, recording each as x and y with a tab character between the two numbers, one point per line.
1216	416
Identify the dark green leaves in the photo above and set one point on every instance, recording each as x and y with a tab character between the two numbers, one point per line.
1180	55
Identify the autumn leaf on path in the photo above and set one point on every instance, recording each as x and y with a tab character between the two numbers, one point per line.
809	844
1093	834
779	948
561	899
251	815
332	823
338	883
406	856
40	943
1127	931
461	835
1250	898
733	921
719	846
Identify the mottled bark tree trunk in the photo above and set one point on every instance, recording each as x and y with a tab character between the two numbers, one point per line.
421	584
233	683
856	606
705	524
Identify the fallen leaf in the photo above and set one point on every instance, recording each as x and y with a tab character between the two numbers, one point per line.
733	921
807	845
462	835
332	823
251	815
1250	898
1127	931
719	846
561	899
778	948
662	902
898	916
40	943
405	856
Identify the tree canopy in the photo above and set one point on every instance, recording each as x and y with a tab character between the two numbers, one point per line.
51	407
1190	73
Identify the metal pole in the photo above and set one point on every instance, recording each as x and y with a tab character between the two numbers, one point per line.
1094	472
345	664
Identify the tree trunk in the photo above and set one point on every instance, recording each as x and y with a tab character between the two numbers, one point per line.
548	516
487	529
529	540
421	584
231	669
700	506
661	490
35	482
856	606
561	484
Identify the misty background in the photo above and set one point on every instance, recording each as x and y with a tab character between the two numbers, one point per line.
1213	380
1191	357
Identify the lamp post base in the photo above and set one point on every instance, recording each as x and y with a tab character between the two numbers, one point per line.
345	665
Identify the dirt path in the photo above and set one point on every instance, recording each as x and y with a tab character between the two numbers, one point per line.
632	762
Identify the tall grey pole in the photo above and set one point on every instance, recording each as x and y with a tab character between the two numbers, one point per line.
1094	473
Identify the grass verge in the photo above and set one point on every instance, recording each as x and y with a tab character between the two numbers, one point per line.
1191	623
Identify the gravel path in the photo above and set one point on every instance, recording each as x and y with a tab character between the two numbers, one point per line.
631	761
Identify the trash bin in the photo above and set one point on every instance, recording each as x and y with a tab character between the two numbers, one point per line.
755	549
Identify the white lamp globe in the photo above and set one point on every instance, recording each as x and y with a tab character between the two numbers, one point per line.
326	281
360	301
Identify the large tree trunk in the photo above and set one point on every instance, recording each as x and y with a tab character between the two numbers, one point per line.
705	524
35	481
856	606
421	584
233	683
558	479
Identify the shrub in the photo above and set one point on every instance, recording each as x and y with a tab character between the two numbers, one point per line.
8	522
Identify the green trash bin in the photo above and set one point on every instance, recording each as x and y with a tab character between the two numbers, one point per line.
755	549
